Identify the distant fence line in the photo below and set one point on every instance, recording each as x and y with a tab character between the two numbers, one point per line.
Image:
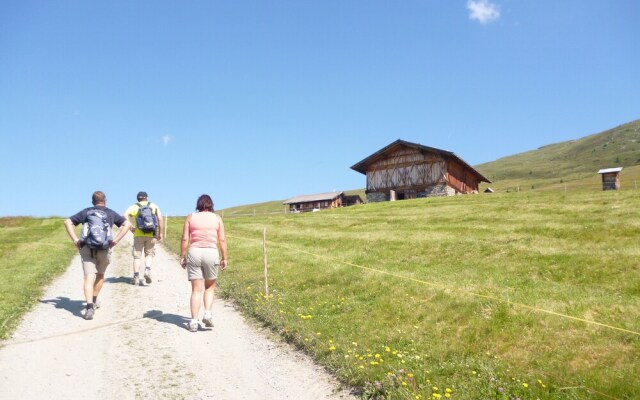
254	214
625	185
565	187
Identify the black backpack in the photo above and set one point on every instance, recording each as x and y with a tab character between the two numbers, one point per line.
96	231
147	220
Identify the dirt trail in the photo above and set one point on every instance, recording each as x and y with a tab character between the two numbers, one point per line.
137	346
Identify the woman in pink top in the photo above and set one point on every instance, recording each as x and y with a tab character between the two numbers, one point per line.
203	235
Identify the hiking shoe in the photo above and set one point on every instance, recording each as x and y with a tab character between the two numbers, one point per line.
207	320
141	282
193	325
147	275
89	313
134	281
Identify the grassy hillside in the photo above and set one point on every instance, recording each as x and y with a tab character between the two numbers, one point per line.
571	165
33	252
567	161
513	295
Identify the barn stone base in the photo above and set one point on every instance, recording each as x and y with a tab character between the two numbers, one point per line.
432	191
439	190
375	197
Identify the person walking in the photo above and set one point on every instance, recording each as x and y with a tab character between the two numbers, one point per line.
147	227
95	243
204	238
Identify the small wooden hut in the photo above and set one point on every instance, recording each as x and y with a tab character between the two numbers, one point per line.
610	178
314	202
405	170
352	200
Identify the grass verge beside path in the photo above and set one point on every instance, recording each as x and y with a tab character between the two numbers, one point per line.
33	251
503	296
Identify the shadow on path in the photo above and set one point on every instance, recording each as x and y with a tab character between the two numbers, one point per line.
75	307
177	320
119	279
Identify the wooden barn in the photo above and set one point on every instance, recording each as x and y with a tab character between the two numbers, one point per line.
404	170
314	202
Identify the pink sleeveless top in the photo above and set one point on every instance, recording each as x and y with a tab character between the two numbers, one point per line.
203	230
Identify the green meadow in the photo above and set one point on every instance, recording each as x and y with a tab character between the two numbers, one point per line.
532	295
32	253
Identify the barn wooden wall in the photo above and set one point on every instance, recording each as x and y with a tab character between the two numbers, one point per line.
461	179
406	168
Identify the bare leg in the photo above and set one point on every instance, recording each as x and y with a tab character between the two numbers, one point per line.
197	287
209	293
97	286
136	265
89	282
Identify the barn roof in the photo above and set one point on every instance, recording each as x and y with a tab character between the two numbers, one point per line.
363	165
609	170
313	197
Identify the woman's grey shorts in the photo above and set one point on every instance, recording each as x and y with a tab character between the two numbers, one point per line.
203	263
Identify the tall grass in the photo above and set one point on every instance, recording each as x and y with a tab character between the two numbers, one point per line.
522	295
32	253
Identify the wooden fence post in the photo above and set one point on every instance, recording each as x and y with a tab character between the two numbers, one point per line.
264	256
166	222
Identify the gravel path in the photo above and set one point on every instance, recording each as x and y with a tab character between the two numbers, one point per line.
138	347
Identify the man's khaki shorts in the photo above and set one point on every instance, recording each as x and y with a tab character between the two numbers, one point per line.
94	261
143	243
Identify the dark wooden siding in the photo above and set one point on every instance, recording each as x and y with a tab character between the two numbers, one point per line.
461	179
406	168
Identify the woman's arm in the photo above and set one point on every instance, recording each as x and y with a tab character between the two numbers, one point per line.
184	245
222	239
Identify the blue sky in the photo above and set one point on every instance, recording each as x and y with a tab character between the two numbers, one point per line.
252	101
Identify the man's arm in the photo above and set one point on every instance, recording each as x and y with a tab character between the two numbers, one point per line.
129	215
72	232
124	229
160	226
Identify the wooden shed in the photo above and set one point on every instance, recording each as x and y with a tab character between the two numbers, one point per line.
610	178
314	202
405	170
352	200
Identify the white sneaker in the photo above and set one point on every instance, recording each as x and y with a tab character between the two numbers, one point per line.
193	325
207	319
147	275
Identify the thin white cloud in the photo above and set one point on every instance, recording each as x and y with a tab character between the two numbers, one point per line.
483	11
166	139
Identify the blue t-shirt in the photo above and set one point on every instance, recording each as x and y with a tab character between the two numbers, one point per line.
112	216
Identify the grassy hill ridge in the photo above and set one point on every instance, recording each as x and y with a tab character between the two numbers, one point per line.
574	159
549	167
